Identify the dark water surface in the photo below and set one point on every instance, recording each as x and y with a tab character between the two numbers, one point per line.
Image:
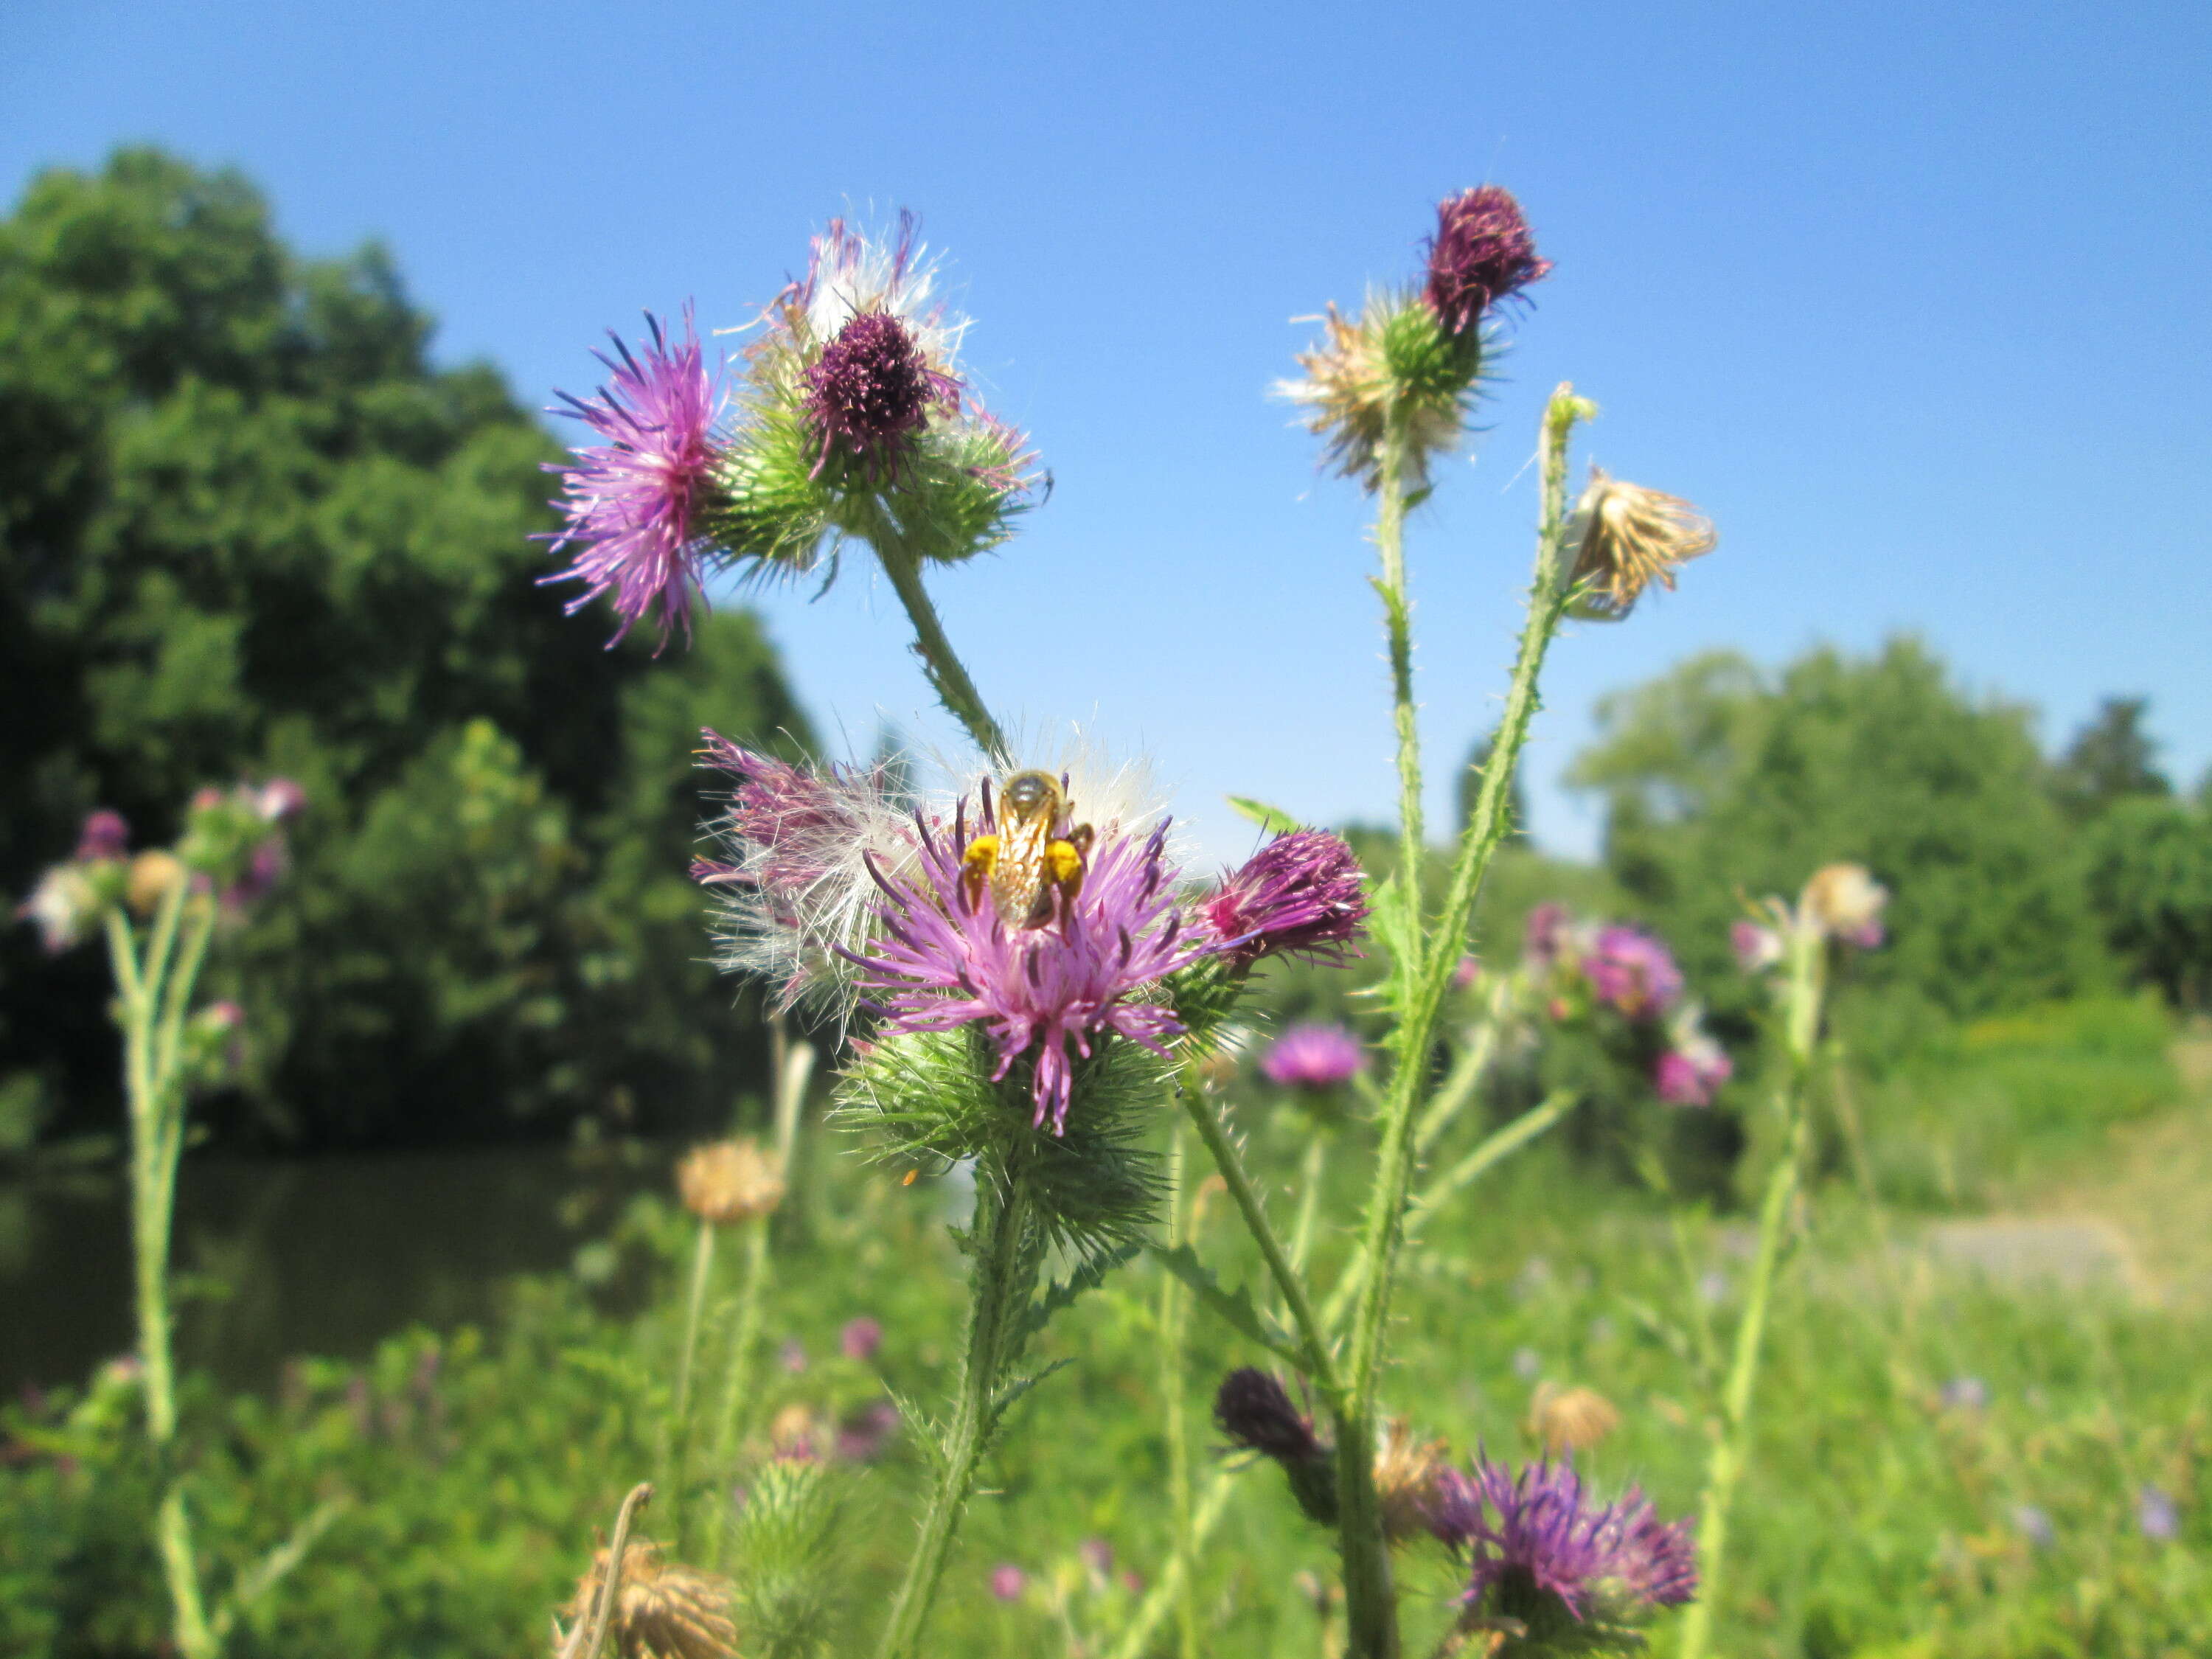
323	1255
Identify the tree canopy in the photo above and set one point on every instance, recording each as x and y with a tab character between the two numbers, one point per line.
248	527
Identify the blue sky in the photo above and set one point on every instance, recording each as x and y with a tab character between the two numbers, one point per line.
1911	298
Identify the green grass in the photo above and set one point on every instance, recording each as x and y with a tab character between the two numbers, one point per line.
1877	1522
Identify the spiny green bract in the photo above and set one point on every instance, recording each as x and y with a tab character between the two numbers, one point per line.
928	1097
786	1561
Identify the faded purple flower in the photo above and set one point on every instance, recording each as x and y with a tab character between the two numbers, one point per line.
1633	972
1545	940
942	959
105	836
861	1338
2157	1515
1689	1072
280	800
872	389
1482	251
634	499
2034	1526
862	1437
793	1355
1008	1580
1756	948
1301	894
1254	1411
1538	1534
61	907
1468	973
1527	1363
264	867
1097	1555
1314	1057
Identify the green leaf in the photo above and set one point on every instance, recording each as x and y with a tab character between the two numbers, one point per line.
1235	1306
1087	1277
1273	819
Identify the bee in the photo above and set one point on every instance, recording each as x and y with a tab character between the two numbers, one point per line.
1034	855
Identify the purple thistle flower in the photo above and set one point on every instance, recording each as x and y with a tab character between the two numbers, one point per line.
1314	1057
862	1437
1482	251
871	389
1254	1409
1008	1580
1547	1538
1633	972
1756	948
633	500
1544	941
1300	894
105	836
944	960
861	1338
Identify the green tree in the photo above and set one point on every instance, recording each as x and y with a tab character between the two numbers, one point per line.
2150	876
2110	759
248	527
1721	780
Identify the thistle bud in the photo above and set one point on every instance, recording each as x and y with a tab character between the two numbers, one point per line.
152	875
729	1181
1624	538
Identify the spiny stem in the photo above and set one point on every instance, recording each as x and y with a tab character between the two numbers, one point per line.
679	1413
1175	1321
1004	1276
1397	617
939	662
1370	1610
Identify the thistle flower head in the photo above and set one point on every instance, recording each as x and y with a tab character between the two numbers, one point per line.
1254	1411
634	501
944	953
1483	251
105	837
1569	1420
663	1610
729	1181
1538	1545
63	907
871	389
1301	894
1693	1066
1625	537
1314	1058
794	879
1844	902
1633	971
1393	358
1405	1470
1757	948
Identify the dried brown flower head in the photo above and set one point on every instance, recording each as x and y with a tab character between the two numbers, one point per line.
1395	355
1844	902
663	1610
1569	1420
1625	537
729	1181
1406	1480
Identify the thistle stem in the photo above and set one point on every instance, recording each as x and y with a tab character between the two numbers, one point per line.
1005	1275
940	664
1175	1335
1397	626
744	1340
1731	1452
679	1414
1370	1610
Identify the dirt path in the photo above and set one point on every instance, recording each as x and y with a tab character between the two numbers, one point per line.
2139	1215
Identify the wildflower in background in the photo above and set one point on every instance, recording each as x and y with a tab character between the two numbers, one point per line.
663	1610
103	838
1964	1393
728	1181
1300	894
2157	1515
793	1355
943	956
1625	537
861	1339
63	907
634	501
1693	1065
1633	971
862	1436
1569	1420
1756	948
1008	1581
2034	1526
1844	902
1527	1363
1098	1556
1467	974
1314	1058
151	875
1538	1546
1482	252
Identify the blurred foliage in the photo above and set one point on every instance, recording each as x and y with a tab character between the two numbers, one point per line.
1723	781
1948	1466
246	527
2112	759
2150	877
